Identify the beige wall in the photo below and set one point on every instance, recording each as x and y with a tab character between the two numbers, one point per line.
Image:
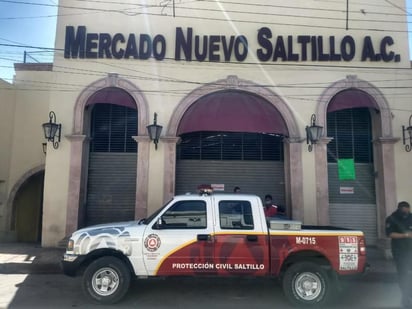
23	134
163	96
165	84
7	100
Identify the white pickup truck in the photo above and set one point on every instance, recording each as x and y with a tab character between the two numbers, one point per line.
214	235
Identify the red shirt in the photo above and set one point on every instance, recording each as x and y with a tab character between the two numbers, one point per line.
270	211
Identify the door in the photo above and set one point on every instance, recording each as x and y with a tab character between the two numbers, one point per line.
352	200
252	161
240	243
111	183
180	241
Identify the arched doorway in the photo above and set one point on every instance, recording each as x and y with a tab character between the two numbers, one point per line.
28	209
351	176
112	160
293	171
79	147
341	96
232	138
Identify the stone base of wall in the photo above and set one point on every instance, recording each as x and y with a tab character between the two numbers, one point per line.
6	236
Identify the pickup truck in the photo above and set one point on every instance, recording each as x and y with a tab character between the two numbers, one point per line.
215	235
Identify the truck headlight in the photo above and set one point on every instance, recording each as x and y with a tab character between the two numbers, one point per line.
70	245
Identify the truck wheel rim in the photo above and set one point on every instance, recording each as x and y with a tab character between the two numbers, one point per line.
308	286
105	281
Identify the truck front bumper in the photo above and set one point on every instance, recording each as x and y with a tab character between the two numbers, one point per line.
71	263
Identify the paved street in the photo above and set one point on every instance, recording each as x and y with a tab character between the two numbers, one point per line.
30	277
58	291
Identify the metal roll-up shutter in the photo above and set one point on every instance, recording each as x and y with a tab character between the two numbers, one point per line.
111	187
111	183
251	161
352	203
254	177
356	209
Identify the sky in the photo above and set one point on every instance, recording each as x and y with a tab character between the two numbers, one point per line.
33	23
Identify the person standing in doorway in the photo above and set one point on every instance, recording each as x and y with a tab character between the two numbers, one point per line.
399	229
269	208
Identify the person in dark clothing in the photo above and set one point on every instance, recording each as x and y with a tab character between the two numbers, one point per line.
399	229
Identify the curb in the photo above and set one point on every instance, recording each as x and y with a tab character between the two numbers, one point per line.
30	269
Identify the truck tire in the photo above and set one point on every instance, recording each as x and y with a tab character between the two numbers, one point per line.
106	280
307	284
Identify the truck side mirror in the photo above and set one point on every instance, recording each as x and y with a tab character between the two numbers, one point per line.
158	225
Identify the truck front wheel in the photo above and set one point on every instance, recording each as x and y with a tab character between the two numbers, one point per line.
106	280
307	284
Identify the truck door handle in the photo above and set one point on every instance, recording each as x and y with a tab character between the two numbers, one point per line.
204	237
251	237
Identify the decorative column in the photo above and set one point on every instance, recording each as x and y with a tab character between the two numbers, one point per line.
169	167
294	177
74	202
142	176
321	176
385	184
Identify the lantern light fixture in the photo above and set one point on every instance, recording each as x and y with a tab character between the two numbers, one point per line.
313	133
407	138
52	130
154	131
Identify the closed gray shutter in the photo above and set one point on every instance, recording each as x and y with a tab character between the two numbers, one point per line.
355	210
352	203
111	191
111	185
254	177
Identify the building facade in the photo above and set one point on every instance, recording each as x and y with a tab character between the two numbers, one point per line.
235	87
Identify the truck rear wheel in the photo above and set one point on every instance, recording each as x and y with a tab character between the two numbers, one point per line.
307	284
106	280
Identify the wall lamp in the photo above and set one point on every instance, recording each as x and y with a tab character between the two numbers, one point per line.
154	131
408	129
52	130
313	133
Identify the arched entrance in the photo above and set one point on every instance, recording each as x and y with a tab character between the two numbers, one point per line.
351	176
232	138
80	143
28	209
357	115
112	163
293	186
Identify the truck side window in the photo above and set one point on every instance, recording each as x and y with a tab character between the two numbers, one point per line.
235	215
185	215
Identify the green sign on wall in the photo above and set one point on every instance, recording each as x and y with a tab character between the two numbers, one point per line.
346	169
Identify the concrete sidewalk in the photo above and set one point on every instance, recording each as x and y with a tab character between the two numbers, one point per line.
24	258
27	258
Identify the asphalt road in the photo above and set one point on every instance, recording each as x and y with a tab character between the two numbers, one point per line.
59	291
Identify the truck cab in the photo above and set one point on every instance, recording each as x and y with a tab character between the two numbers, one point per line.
208	234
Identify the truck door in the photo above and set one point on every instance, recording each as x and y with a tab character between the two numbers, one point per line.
179	241
241	240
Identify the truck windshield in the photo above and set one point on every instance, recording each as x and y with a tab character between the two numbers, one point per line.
153	215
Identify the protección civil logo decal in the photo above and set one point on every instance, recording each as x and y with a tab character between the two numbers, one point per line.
152	242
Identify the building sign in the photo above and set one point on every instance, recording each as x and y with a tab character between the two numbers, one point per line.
218	186
190	46
346	190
